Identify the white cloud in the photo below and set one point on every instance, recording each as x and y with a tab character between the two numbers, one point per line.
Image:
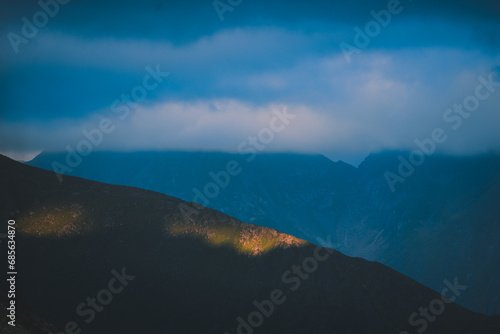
224	124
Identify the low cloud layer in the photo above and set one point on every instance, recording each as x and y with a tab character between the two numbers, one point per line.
226	78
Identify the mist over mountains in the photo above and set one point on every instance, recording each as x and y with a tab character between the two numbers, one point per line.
441	222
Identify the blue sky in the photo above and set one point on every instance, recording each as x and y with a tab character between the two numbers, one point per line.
226	77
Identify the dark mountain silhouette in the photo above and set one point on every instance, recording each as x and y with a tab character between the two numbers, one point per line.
27	320
154	269
441	222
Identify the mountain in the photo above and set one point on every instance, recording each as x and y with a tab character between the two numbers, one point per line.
103	258
282	191
440	222
27	320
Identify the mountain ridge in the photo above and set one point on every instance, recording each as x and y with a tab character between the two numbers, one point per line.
179	278
311	197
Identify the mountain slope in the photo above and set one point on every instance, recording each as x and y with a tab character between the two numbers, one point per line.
448	206
198	274
310	187
27	321
442	221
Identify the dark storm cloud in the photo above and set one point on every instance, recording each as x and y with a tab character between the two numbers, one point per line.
184	21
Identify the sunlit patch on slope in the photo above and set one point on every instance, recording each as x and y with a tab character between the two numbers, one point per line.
245	238
57	221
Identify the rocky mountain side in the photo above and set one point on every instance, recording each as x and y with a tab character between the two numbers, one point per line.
102	258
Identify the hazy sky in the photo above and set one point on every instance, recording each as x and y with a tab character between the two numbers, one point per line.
226	77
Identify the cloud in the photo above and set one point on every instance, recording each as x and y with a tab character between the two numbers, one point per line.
68	76
181	21
227	76
381	113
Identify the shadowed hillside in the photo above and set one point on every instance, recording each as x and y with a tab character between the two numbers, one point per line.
192	273
28	321
448	206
